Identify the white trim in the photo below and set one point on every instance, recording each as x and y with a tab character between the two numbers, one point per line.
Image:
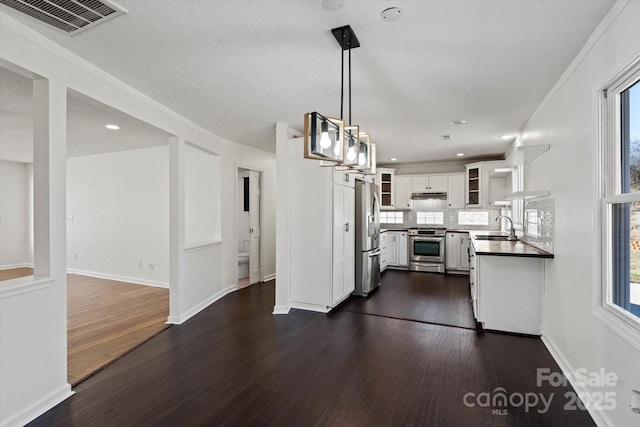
268	277
608	185
22	285
116	277
600	417
309	307
12	266
281	309
39	407
620	321
178	320
202	246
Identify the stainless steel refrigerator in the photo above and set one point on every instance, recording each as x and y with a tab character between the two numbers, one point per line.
367	238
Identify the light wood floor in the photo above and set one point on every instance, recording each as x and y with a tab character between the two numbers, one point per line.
14	273
105	319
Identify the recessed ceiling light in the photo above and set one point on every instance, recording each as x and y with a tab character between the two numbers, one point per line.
507	136
445	137
332	5
458	122
391	14
112	127
393	159
460	154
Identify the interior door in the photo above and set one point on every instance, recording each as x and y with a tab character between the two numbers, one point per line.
254	221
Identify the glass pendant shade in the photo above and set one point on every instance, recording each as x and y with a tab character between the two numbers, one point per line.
325	141
323	138
351	148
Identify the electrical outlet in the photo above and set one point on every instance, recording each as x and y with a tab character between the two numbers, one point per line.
151	266
76	257
139	264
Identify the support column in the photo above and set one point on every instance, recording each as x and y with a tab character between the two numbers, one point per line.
176	224
283	232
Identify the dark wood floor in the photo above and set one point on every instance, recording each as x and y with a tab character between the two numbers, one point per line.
237	364
422	297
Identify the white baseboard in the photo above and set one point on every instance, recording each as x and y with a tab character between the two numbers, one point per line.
134	280
309	307
269	277
178	320
12	266
281	309
599	416
39	407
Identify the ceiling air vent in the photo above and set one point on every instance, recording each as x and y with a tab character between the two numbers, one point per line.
70	16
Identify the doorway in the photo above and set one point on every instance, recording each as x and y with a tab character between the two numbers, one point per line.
248	226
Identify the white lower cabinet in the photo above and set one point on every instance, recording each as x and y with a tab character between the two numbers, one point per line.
506	292
402	240
393	245
457	252
384	251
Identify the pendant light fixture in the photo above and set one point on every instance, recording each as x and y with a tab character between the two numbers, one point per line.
352	149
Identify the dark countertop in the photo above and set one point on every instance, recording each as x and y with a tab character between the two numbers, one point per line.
505	248
382	230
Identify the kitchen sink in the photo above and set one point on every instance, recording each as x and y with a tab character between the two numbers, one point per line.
491	237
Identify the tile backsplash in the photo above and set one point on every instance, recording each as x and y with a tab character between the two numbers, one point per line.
449	218
538	223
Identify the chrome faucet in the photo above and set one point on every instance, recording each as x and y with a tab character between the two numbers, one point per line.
512	232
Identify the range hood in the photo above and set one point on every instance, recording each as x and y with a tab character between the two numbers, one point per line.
440	195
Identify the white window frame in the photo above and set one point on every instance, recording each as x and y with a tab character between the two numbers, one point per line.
476	223
609	193
399	217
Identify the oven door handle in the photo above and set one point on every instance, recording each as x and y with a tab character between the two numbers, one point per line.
376	253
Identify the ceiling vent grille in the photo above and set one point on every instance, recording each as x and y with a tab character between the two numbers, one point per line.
70	16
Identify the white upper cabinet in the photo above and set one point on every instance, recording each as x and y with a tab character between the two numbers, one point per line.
474	185
403	192
429	183
455	192
386	181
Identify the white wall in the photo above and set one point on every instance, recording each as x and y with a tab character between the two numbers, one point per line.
15	215
118	215
567	120
202	197
197	278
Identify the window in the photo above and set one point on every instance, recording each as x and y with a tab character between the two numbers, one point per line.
517	206
430	217
473	218
620	173
532	222
391	217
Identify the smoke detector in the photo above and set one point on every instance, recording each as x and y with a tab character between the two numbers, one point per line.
332	5
71	17
391	14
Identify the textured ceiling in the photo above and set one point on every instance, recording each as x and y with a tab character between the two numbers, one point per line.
236	67
86	132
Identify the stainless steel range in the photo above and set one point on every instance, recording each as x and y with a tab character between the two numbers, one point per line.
426	249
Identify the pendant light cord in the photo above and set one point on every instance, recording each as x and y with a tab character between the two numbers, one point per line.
349	83
342	84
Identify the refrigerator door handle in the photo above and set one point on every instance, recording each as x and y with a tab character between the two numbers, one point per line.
376	253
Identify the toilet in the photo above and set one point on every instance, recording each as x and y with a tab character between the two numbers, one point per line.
243	264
